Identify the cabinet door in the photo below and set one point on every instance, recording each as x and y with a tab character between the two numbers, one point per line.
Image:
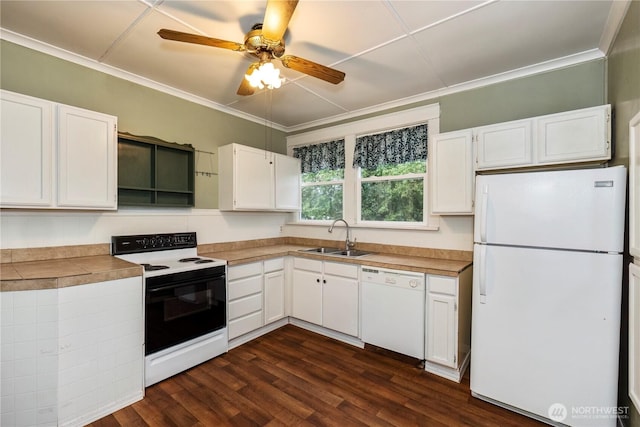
340	304
87	159
451	173
253	178
441	329
273	296
574	136
504	145
634	186
634	334
26	147
307	296
287	183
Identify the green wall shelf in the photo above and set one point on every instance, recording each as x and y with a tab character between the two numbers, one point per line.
152	172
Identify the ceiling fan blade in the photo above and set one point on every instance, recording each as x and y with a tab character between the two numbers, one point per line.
276	19
198	39
313	69
246	88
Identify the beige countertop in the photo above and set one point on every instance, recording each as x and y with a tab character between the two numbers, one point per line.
58	267
63	272
445	267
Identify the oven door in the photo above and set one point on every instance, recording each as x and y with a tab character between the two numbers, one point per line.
183	306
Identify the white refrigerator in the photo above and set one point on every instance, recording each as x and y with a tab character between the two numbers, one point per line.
547	292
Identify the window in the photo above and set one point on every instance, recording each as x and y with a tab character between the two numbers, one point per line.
393	193
384	183
392	175
322	180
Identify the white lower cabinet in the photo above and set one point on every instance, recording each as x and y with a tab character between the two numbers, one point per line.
274	290
448	324
245	298
256	295
71	355
326	294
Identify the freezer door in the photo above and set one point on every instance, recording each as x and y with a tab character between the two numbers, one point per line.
577	209
547	331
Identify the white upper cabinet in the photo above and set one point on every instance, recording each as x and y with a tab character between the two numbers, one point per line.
87	159
504	145
569	137
287	179
451	176
563	138
254	179
26	151
574	136
56	156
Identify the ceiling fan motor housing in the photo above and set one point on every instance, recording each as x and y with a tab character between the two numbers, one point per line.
256	43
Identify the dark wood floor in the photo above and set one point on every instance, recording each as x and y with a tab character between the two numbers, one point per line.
295	377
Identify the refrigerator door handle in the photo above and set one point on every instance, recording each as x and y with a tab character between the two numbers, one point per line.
482	274
483	214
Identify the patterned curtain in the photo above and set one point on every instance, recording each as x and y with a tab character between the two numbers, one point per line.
317	157
391	148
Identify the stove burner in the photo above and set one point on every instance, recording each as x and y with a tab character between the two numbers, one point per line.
189	259
202	261
149	267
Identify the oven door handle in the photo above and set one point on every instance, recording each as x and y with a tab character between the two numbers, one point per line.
174	285
168	287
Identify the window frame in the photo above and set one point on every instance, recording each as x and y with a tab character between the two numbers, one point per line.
399	224
429	114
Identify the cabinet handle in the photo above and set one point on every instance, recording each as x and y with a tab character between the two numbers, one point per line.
317	280
324	281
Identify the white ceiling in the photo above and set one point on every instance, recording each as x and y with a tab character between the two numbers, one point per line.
393	52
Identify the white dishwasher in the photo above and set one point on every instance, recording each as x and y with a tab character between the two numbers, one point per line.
393	305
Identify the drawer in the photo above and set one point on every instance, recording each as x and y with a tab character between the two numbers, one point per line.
245	324
442	284
307	264
243	287
340	269
245	270
244	306
273	265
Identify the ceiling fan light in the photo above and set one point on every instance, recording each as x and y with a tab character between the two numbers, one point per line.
265	76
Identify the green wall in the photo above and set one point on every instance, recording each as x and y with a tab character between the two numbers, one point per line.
565	89
570	88
140	110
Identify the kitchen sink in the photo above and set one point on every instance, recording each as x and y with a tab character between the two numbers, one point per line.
321	250
337	252
350	253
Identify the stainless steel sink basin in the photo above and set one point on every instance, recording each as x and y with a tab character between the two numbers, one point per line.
321	250
350	253
336	252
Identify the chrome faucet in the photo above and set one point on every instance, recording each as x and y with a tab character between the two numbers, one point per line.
348	244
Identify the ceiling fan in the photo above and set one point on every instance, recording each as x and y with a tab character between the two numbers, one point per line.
265	41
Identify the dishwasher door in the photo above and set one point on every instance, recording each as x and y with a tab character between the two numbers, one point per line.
393	307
